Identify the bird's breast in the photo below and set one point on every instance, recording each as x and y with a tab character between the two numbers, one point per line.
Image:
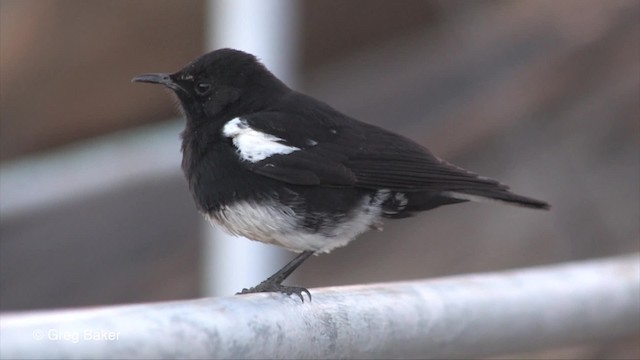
216	177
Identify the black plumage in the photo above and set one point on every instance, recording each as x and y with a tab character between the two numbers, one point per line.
281	167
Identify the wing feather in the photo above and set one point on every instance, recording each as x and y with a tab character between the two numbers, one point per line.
355	154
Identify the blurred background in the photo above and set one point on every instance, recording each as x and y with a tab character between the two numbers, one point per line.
543	95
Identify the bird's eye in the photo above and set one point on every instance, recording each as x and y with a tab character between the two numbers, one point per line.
202	88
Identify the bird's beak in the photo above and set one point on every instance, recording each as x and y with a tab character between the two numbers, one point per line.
158	78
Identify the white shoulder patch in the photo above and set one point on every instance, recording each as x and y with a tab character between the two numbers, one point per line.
253	145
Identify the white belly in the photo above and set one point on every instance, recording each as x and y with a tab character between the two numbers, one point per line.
273	223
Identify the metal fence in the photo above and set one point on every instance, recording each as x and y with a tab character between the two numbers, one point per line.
456	317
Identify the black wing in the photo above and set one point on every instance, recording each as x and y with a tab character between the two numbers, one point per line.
338	151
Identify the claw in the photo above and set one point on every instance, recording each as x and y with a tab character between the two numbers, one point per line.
274	282
274	287
289	290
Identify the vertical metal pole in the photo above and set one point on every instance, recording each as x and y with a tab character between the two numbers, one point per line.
267	29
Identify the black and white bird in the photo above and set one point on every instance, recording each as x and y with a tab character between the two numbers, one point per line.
274	165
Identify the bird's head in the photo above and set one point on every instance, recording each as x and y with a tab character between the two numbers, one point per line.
222	81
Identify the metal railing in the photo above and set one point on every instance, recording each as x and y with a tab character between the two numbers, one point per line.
454	317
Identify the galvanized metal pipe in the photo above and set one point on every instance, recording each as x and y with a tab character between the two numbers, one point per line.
454	317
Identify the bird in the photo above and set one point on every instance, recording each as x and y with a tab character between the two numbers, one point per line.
277	166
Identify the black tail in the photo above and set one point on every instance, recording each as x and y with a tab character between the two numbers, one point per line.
498	194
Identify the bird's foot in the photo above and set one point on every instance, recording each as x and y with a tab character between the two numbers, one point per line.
271	286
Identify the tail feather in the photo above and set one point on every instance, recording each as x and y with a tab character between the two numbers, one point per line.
499	195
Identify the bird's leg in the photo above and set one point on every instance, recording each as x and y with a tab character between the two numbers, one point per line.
274	282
